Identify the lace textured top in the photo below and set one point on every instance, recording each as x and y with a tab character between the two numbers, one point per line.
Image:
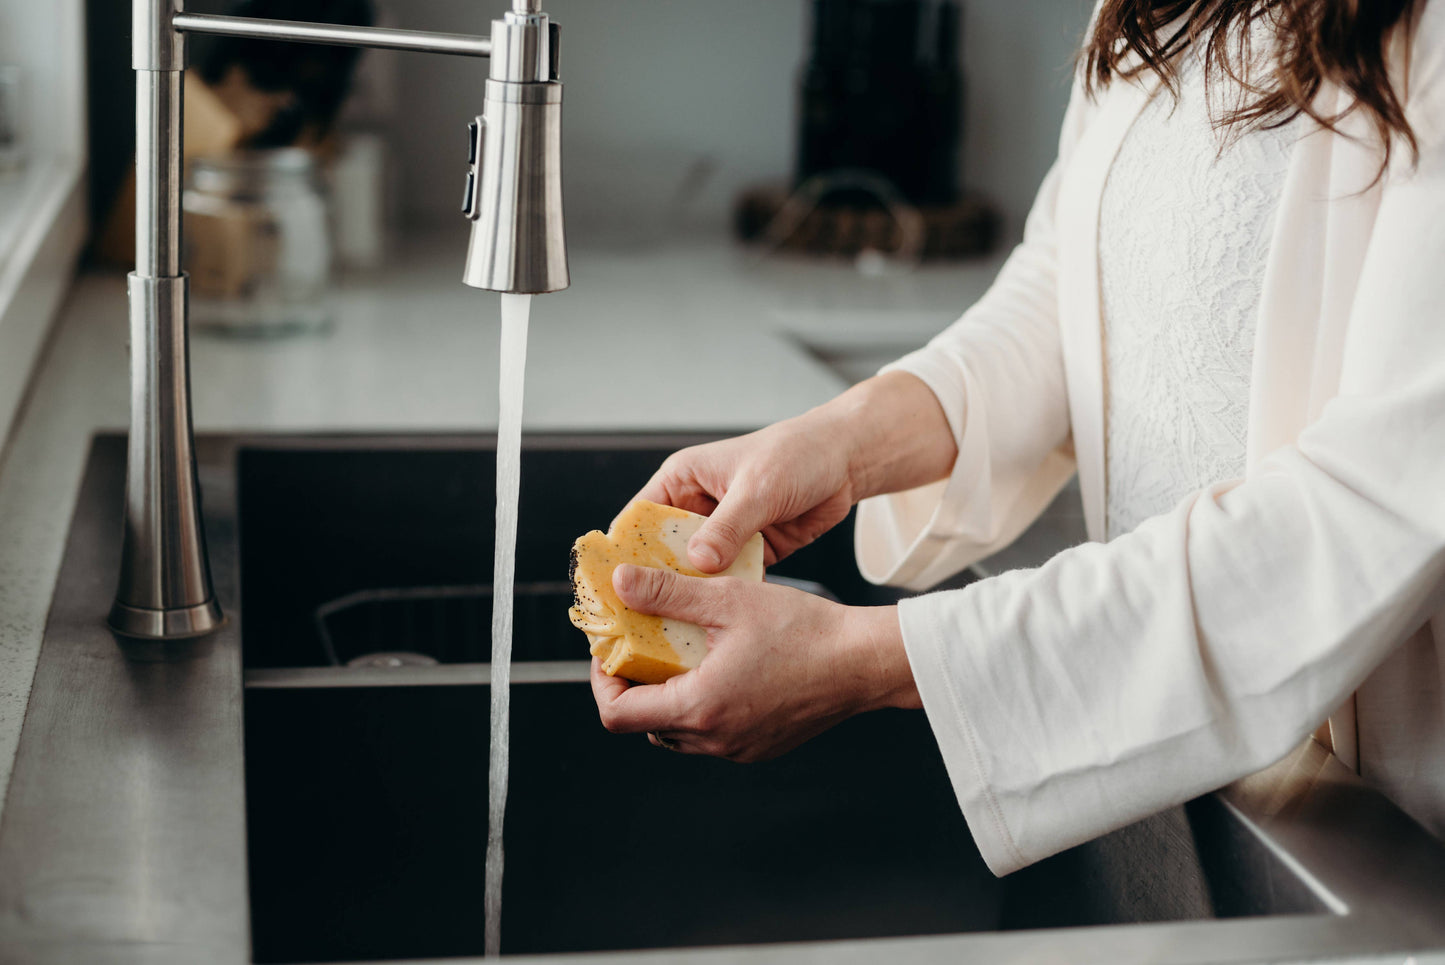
1185	225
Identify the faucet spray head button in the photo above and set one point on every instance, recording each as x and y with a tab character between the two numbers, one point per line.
469	199
476	132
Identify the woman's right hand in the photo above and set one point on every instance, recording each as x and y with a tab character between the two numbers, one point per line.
789	481
797	479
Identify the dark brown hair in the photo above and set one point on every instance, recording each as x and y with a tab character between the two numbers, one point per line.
1343	42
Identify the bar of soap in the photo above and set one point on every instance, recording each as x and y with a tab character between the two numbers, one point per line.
637	646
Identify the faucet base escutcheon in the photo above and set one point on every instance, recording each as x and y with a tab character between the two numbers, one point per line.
173	624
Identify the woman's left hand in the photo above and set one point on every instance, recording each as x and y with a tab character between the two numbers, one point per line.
782	667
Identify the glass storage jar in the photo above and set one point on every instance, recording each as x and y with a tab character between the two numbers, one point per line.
257	244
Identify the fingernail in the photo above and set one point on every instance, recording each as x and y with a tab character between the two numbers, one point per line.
704	554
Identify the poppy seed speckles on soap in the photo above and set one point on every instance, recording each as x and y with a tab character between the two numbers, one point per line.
641	647
572	576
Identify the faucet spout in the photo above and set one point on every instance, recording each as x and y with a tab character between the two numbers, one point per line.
514	180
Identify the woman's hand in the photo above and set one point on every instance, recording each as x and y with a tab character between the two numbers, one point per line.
797	479
789	481
783	666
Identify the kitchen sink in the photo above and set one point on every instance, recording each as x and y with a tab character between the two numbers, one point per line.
353	672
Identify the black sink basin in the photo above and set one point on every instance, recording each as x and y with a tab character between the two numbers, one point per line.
368	810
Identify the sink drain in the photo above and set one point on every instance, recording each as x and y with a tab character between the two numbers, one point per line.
388	659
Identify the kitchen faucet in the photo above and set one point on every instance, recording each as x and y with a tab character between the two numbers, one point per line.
513	198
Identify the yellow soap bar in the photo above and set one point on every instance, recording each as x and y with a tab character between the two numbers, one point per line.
637	646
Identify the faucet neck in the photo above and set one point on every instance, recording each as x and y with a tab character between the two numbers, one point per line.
524	49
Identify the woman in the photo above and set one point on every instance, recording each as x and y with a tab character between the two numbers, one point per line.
1228	316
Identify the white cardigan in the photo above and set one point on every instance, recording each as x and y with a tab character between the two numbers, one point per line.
1121	678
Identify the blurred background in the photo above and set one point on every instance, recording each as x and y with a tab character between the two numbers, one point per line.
800	189
675	109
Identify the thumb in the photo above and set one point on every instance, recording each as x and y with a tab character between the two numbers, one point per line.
664	593
717	543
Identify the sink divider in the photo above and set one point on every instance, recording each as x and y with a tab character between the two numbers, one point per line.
438	675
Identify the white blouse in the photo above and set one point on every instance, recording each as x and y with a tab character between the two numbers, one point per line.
1123	677
1184	228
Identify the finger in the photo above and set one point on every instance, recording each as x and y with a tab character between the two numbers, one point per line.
775	546
635	710
675	483
717	543
782	539
664	593
605	689
669	741
656	490
676	480
680	743
695	501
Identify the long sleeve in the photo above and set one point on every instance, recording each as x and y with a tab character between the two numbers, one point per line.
1122	678
998	373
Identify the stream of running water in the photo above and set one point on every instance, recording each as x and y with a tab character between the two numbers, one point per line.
516	310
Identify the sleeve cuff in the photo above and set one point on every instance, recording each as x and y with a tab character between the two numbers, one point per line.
918	538
924	640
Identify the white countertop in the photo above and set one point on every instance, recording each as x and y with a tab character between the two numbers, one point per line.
726	341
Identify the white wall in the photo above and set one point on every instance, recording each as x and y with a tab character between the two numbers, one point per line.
46	38
654	87
1019	56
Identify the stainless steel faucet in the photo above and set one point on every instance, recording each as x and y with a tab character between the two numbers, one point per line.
513	198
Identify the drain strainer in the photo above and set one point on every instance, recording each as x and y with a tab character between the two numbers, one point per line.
388	659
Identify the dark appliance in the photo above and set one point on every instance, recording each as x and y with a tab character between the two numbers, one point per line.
883	91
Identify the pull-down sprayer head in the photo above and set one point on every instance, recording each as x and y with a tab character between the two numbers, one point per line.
514	183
